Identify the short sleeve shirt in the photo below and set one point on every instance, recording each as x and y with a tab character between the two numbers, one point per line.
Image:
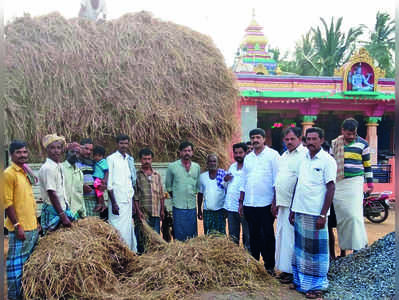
313	176
233	189
51	178
213	194
100	168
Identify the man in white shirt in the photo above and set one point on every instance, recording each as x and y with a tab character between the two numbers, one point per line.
257	193
55	209
93	10
121	181
212	193
285	186
310	208
233	179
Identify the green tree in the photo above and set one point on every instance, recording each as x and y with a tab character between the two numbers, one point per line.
334	47
381	43
306	56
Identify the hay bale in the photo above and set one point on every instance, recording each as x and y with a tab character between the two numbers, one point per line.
156	81
89	261
85	261
208	262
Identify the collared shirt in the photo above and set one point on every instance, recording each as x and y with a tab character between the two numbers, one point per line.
51	178
74	189
287	175
184	185
213	193
233	189
259	176
120	177
100	167
149	192
18	193
313	176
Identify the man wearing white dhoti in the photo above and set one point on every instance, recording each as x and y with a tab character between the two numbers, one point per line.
121	180
285	186
352	154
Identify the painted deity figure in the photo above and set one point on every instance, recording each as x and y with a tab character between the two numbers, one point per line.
361	82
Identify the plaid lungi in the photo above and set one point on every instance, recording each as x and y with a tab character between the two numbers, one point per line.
214	221
18	252
311	255
91	202
50	219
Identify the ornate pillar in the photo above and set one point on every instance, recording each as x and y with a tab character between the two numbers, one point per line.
307	122
372	138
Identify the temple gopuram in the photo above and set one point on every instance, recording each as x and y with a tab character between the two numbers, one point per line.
273	101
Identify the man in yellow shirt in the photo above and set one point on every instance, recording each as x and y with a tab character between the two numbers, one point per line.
21	221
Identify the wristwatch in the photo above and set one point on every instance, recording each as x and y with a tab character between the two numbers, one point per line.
322	216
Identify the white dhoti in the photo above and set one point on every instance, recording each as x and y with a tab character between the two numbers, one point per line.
285	238
124	223
348	205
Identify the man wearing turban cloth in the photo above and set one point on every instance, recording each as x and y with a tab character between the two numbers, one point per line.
74	181
55	210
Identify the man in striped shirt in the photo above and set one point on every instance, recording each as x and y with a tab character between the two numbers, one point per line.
352	154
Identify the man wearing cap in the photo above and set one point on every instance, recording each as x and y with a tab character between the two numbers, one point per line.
21	222
256	196
55	209
74	181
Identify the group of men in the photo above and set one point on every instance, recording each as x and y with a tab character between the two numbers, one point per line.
297	188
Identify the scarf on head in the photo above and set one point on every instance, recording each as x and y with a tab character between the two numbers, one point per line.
338	151
51	138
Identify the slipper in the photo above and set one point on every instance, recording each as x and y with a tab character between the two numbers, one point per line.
292	286
282	275
286	280
314	295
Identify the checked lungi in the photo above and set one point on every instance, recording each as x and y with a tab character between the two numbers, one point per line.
214	221
50	220
18	252
311	255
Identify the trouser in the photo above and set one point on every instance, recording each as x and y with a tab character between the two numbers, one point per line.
260	220
234	221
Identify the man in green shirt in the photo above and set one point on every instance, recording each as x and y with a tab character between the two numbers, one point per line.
74	181
183	183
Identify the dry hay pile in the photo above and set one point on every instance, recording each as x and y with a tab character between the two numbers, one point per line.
156	81
89	262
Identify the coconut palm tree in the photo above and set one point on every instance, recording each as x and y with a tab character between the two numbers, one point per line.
381	42
334	47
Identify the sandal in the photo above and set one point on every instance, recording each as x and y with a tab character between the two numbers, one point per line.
292	286
314	295
287	279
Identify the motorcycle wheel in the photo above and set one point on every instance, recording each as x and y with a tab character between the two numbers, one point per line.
382	216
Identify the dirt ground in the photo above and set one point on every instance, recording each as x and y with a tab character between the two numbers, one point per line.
374	231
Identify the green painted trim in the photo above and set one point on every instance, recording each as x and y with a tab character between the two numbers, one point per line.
283	94
259	60
373	120
326	95
361	93
308	118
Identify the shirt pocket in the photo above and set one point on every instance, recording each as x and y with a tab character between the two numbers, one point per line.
316	175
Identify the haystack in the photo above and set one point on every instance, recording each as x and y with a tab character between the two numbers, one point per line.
156	81
88	261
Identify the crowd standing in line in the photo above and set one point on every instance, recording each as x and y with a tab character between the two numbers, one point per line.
298	188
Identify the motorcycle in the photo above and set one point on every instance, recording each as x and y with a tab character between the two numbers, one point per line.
376	206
